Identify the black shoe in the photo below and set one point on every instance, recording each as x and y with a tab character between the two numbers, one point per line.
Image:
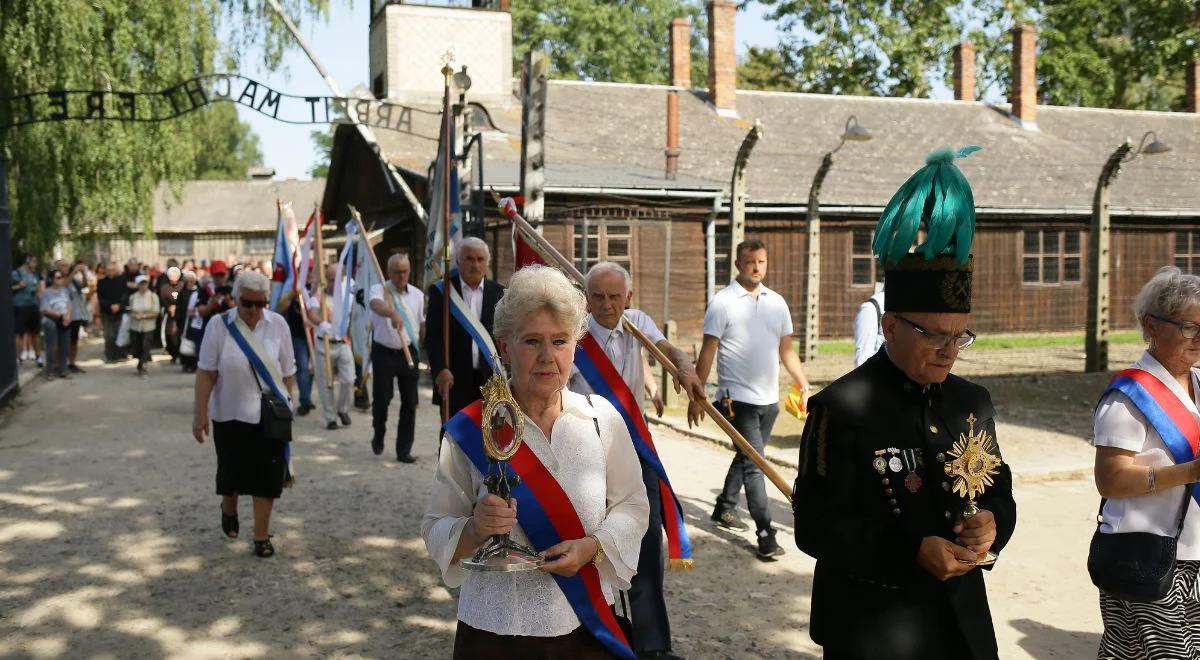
305	408
727	519
345	418
377	446
406	459
659	655
75	369
332	426
264	548
229	524
64	374
768	547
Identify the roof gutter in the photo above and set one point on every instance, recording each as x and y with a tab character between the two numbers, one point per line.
1083	212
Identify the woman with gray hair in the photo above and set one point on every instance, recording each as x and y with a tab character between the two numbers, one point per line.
582	444
1145	468
242	348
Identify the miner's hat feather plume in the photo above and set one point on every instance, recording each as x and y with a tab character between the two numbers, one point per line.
938	198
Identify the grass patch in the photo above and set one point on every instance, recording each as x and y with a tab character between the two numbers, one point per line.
985	342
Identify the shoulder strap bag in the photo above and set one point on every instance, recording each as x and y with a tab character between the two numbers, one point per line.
1135	566
276	415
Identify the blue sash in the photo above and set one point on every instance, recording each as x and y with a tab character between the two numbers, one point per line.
1171	419
473	326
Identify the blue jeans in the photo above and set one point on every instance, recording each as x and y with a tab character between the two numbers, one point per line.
303	375
754	423
58	341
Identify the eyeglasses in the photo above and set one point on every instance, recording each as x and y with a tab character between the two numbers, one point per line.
961	342
1188	329
253	304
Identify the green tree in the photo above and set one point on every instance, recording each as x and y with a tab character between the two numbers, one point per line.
612	41
323	147
228	146
100	176
876	47
1096	53
765	69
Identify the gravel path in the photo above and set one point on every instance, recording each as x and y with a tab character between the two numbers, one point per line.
110	546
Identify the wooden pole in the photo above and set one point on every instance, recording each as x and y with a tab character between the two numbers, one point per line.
1099	264
445	192
319	260
308	333
387	300
563	264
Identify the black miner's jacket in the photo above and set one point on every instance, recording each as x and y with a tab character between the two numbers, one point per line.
857	515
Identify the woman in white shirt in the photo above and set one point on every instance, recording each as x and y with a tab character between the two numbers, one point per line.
228	392
144	308
585	447
1146	489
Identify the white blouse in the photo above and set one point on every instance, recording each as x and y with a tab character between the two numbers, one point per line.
1120	424
236	394
603	479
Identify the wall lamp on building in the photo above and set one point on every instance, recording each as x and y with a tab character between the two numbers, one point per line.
1099	254
853	132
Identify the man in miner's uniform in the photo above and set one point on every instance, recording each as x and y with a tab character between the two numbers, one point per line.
874	503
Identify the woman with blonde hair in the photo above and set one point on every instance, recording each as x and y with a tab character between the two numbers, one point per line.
579	473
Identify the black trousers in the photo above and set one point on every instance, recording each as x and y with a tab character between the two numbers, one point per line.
112	324
648	607
390	367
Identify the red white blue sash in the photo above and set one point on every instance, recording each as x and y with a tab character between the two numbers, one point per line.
547	517
603	378
1175	424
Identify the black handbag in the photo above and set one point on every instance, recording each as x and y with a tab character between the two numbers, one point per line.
1135	566
276	416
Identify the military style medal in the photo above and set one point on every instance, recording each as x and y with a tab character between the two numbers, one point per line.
913	481
880	464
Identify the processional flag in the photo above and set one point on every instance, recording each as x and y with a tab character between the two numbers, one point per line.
434	240
283	270
597	369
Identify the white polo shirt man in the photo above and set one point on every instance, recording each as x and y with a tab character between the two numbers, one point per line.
749	327
382	330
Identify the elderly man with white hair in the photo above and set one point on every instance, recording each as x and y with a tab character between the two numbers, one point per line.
230	390
459	378
397	323
609	289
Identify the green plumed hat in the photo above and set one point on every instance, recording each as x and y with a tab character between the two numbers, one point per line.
934	275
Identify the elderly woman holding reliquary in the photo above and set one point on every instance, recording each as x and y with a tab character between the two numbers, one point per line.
581	504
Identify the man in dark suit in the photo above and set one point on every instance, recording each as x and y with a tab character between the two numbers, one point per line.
899	556
460	378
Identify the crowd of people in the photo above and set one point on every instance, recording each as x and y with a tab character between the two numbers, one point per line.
902	495
137	308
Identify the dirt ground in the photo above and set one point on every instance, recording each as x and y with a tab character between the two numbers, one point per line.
110	543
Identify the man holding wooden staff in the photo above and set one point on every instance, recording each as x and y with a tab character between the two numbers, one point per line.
748	330
334	358
609	363
397	330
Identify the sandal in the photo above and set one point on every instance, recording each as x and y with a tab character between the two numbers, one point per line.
264	548
229	524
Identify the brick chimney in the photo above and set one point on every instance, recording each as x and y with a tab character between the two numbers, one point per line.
964	71
1191	93
681	52
722	56
1023	95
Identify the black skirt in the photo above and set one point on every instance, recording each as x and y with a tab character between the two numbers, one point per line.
248	463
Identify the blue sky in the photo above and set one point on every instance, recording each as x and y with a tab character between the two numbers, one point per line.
341	45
